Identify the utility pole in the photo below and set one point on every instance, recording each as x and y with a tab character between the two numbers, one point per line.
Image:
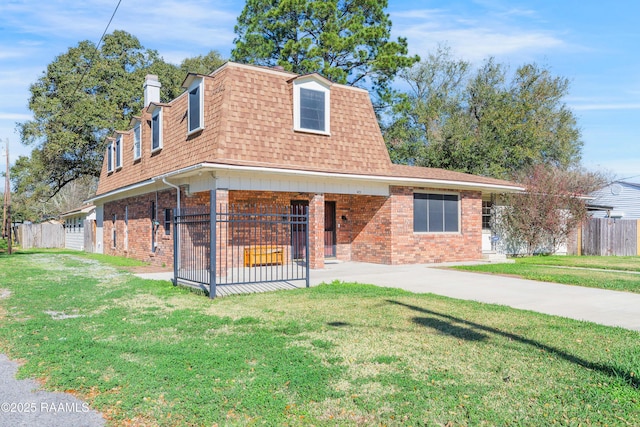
7	203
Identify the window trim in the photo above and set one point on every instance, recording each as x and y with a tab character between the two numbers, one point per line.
137	140
458	216
318	85
199	85
156	113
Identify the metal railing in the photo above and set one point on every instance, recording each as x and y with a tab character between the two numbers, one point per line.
251	248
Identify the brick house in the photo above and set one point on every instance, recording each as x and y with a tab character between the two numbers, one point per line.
265	136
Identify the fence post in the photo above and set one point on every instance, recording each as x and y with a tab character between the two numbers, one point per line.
306	250
638	237
176	244
213	238
579	240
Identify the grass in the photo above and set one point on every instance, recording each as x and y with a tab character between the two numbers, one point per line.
147	353
622	263
613	273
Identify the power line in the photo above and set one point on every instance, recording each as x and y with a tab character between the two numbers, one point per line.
97	46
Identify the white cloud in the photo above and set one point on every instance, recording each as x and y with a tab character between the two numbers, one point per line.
194	23
606	106
15	116
475	38
623	168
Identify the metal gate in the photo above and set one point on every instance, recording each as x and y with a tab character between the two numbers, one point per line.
251	248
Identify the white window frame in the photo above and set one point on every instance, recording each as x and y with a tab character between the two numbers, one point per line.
110	161
459	216
196	84
156	113
311	83
137	140
117	152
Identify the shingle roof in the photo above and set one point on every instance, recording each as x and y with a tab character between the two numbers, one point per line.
258	127
444	175
248	121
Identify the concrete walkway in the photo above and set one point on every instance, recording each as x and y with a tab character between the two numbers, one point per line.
611	308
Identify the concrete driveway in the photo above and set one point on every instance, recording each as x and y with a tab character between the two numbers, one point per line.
610	308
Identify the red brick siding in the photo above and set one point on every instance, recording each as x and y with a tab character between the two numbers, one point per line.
134	239
412	248
373	229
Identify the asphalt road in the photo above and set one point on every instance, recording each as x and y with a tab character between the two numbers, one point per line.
24	404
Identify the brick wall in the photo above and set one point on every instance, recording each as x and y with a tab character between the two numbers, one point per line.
134	232
373	229
411	248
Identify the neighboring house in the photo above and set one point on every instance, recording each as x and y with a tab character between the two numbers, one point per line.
79	228
620	199
263	136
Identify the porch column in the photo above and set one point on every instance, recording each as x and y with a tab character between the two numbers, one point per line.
221	249
316	231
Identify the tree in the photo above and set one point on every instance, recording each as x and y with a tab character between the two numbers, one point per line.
483	123
552	206
346	41
85	94
431	111
202	64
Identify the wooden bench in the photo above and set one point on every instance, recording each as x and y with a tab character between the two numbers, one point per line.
263	255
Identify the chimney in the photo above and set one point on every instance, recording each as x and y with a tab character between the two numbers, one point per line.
151	89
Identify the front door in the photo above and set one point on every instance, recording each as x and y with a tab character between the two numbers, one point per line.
329	229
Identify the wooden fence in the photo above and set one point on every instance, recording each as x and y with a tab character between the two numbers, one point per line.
606	236
45	235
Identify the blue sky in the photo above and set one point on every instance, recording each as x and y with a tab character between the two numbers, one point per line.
593	44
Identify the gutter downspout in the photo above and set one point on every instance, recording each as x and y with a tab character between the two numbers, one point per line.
176	237
177	191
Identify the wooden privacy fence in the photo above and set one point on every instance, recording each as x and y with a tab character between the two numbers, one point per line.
606	236
45	235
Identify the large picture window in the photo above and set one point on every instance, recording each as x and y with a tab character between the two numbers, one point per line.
435	213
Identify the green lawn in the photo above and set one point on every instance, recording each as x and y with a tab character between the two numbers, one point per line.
623	263
147	353
592	271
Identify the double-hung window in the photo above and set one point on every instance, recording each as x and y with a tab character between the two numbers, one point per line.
196	101
118	152
156	129
312	109
167	222
137	147
110	157
311	103
436	213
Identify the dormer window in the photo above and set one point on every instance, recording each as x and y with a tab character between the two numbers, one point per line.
311	101
110	157
137	147
156	129
117	152
312	109
196	102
